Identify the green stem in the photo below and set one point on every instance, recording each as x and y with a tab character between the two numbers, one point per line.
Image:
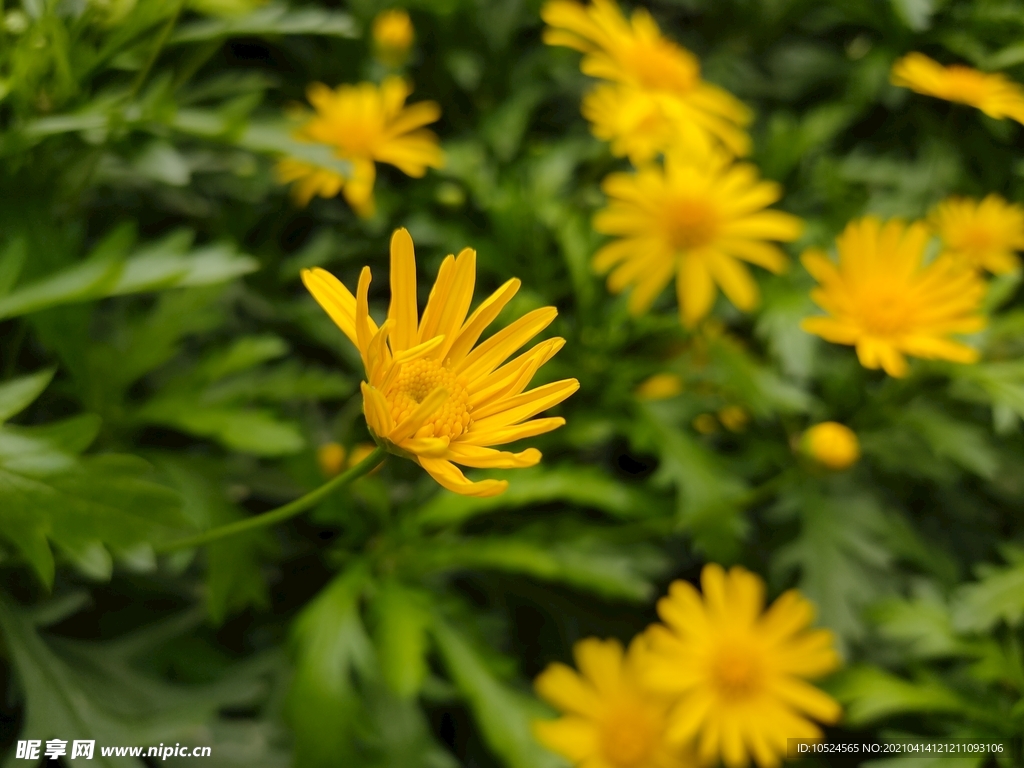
290	509
161	40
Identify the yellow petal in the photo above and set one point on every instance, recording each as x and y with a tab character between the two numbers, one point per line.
448	476
403	291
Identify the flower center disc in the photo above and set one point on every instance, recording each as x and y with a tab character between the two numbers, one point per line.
627	738
691	224
736	672
418	379
886	315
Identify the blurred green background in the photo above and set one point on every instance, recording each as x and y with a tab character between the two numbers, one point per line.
163	371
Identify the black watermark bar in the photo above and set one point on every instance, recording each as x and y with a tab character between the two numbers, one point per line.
796	748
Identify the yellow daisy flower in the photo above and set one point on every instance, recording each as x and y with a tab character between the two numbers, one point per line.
697	222
984	234
610	720
658	95
883	299
365	124
432	394
739	672
991	92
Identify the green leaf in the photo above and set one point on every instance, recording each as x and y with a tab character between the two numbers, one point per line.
503	715
248	430
79	690
839	554
247	352
12	260
922	625
271	21
997	596
964	444
710	497
330	645
579	486
18	394
870	694
400	635
583	562
234	574
916	14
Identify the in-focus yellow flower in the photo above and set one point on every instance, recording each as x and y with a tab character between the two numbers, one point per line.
984	234
991	92
831	444
697	222
738	672
393	35
658	97
660	386
432	394
331	458
610	720
883	299
365	124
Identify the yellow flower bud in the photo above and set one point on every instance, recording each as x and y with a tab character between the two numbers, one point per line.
734	418
660	386
331	458
359	453
831	444
393	35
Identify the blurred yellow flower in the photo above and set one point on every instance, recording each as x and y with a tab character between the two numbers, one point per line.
610	721
984	234
705	423
694	221
393	35
331	458
658	97
738	672
734	418
660	386
431	393
360	452
364	124
883	299
991	92
832	445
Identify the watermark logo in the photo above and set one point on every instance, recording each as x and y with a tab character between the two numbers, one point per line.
32	749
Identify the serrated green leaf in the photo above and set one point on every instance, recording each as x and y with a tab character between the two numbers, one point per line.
710	497
997	596
89	691
503	715
870	694
839	554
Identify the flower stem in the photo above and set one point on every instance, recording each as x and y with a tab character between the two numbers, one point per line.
289	510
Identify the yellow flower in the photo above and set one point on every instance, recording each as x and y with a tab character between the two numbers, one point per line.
660	386
991	92
331	458
985	235
697	222
738	672
658	97
831	444
610	720
393	34
364	124
431	393
734	418
705	423
883	299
